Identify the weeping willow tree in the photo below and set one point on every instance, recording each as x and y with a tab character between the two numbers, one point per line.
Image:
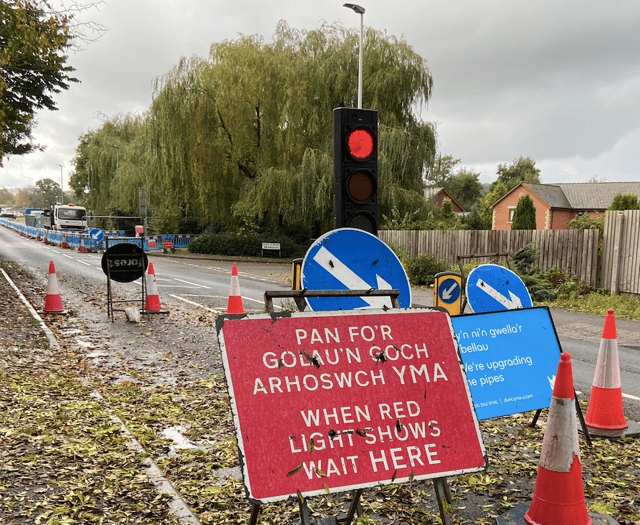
107	166
244	136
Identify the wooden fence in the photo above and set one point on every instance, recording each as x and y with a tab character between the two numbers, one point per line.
621	252
573	250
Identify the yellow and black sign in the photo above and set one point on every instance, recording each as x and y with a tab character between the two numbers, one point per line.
448	292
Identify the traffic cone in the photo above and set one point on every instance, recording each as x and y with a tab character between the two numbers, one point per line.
559	496
234	306
64	241
53	302
605	416
153	299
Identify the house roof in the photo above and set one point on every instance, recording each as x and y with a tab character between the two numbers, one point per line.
580	196
597	195
432	191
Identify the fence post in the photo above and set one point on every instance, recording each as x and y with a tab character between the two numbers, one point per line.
615	263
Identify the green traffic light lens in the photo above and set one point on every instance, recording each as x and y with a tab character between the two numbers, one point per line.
361	144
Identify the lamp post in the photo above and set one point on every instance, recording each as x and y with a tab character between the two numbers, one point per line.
61	190
360	10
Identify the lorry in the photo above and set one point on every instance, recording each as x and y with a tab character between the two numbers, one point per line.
66	217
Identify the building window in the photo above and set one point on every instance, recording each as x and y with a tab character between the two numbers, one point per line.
512	210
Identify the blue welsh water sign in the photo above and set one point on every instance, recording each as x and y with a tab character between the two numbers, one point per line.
492	288
350	259
510	359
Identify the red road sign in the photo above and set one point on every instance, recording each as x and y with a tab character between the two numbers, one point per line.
342	400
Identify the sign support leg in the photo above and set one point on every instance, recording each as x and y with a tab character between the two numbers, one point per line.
442	496
354	508
305	515
583	425
255	511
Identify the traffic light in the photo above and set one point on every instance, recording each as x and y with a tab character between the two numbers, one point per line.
355	167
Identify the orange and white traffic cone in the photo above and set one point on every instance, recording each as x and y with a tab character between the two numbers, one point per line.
559	496
605	416
153	299
234	306
64	241
53	301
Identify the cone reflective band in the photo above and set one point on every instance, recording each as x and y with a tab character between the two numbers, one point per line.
605	416
355	161
559	496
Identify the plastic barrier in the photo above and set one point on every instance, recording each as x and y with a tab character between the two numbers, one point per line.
77	240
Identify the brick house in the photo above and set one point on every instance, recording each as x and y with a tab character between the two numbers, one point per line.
558	204
439	194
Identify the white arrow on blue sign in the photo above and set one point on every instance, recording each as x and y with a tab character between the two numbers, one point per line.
449	291
350	259
492	288
96	234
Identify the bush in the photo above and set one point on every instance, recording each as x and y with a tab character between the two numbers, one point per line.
423	269
240	244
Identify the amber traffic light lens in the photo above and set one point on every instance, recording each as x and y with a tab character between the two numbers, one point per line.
361	187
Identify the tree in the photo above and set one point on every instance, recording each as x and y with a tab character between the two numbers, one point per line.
522	169
442	170
6	197
486	213
48	192
33	56
524	217
465	187
625	201
244	137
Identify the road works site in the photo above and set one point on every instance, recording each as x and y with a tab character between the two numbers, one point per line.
131	423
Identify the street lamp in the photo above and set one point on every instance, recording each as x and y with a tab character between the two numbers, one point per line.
360	10
61	191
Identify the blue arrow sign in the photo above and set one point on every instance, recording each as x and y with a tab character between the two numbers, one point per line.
449	291
492	288
96	234
350	259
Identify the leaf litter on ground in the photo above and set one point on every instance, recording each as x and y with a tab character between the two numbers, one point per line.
66	461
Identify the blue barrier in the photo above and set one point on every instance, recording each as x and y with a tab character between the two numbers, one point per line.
83	242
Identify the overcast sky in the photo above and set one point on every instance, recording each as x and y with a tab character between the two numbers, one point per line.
558	81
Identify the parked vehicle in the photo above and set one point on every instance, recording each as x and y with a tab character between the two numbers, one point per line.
66	217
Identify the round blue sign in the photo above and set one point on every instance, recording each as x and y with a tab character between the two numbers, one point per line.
96	234
449	291
493	288
350	259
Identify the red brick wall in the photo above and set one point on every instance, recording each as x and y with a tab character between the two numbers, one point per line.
501	211
561	218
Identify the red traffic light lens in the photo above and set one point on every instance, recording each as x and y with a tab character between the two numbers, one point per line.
361	187
361	144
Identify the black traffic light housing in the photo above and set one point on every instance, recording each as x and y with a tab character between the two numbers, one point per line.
355	167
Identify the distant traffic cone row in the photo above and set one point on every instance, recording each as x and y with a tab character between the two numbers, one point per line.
559	496
234	305
605	416
153	298
53	301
